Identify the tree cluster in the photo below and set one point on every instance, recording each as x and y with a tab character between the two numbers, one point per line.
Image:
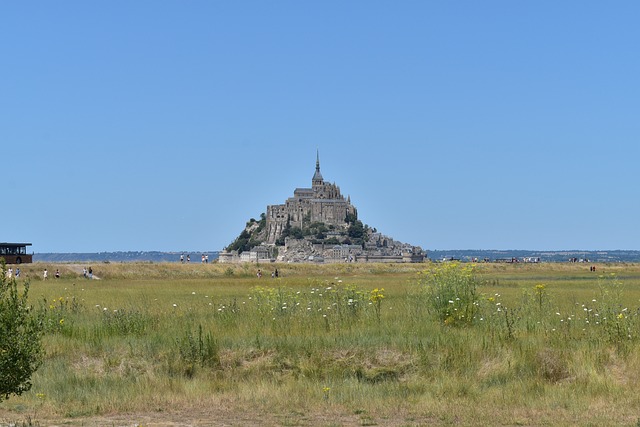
248	238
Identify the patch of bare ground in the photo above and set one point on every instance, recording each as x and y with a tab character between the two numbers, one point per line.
222	414
236	417
220	411
618	369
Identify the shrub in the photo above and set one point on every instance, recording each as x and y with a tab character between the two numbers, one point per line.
20	330
56	315
197	351
451	292
615	318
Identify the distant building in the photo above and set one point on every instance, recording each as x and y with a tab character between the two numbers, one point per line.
320	203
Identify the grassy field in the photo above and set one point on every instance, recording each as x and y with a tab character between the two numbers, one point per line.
344	344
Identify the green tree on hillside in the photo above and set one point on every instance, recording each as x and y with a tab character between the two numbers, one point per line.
285	233
356	230
20	345
241	244
296	233
262	223
350	218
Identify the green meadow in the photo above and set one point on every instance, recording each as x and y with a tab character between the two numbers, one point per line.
332	345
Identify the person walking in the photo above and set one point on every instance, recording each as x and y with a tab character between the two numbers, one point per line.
44	275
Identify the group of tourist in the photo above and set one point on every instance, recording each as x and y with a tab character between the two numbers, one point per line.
9	273
274	274
86	273
205	258
45	274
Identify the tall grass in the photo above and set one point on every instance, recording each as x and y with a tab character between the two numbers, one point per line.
357	343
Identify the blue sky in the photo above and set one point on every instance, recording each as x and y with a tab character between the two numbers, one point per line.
166	125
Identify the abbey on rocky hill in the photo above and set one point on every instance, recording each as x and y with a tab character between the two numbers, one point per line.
317	224
322	203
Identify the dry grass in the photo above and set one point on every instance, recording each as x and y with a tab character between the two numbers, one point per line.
406	370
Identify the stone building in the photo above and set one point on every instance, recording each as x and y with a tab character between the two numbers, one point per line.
320	203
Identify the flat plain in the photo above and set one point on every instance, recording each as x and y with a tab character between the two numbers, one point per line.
339	344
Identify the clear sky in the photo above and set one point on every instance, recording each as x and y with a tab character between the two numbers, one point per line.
166	125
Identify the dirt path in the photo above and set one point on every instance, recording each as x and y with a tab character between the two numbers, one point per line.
222	417
77	268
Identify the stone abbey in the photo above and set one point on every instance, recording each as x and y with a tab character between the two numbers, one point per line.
320	203
316	224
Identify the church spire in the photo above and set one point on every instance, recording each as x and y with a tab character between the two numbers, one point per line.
317	177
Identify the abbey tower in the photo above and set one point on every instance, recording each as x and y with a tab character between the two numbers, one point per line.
320	203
